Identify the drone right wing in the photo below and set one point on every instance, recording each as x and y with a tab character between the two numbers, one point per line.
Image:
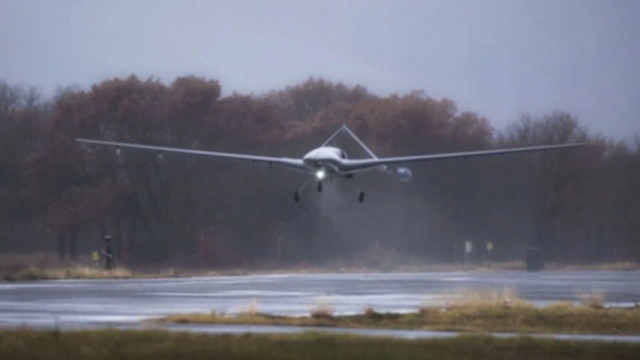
353	165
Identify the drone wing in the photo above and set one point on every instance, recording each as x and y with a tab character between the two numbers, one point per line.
354	165
294	164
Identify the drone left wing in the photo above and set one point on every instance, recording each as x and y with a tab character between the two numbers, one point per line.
353	165
294	164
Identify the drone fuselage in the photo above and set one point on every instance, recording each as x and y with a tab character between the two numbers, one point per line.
325	161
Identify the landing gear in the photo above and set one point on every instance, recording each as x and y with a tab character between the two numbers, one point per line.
319	186
296	194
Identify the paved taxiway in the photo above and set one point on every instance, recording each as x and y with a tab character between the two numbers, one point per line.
123	303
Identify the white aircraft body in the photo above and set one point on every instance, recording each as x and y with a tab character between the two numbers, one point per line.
325	163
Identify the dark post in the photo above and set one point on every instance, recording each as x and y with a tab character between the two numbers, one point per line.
534	259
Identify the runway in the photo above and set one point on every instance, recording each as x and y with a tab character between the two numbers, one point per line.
124	303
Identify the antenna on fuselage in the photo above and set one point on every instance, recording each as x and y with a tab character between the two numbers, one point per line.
332	137
344	128
357	139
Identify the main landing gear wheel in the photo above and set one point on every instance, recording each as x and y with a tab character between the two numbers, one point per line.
361	196
296	196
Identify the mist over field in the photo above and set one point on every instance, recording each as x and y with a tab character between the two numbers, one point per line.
278	79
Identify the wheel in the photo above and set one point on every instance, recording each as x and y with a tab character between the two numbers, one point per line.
361	196
319	186
296	196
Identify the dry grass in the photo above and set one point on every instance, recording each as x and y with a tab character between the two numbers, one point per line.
370	312
20	272
322	309
251	309
616	266
71	272
474	298
594	300
561	305
43	266
469	310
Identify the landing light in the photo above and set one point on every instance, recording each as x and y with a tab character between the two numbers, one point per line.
320	174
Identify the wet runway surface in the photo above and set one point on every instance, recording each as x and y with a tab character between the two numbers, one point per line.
84	303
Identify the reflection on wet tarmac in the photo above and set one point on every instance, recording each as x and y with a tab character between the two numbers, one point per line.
83	303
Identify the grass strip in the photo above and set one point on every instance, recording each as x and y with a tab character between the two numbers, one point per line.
484	310
79	271
158	345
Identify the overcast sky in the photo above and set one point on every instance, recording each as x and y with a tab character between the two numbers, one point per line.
498	58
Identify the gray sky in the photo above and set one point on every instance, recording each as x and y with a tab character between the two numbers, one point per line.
498	58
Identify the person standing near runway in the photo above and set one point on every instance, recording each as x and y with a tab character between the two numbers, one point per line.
107	254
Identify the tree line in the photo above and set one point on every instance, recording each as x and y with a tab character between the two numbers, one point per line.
56	194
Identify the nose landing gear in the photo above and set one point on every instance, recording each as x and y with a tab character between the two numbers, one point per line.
296	194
